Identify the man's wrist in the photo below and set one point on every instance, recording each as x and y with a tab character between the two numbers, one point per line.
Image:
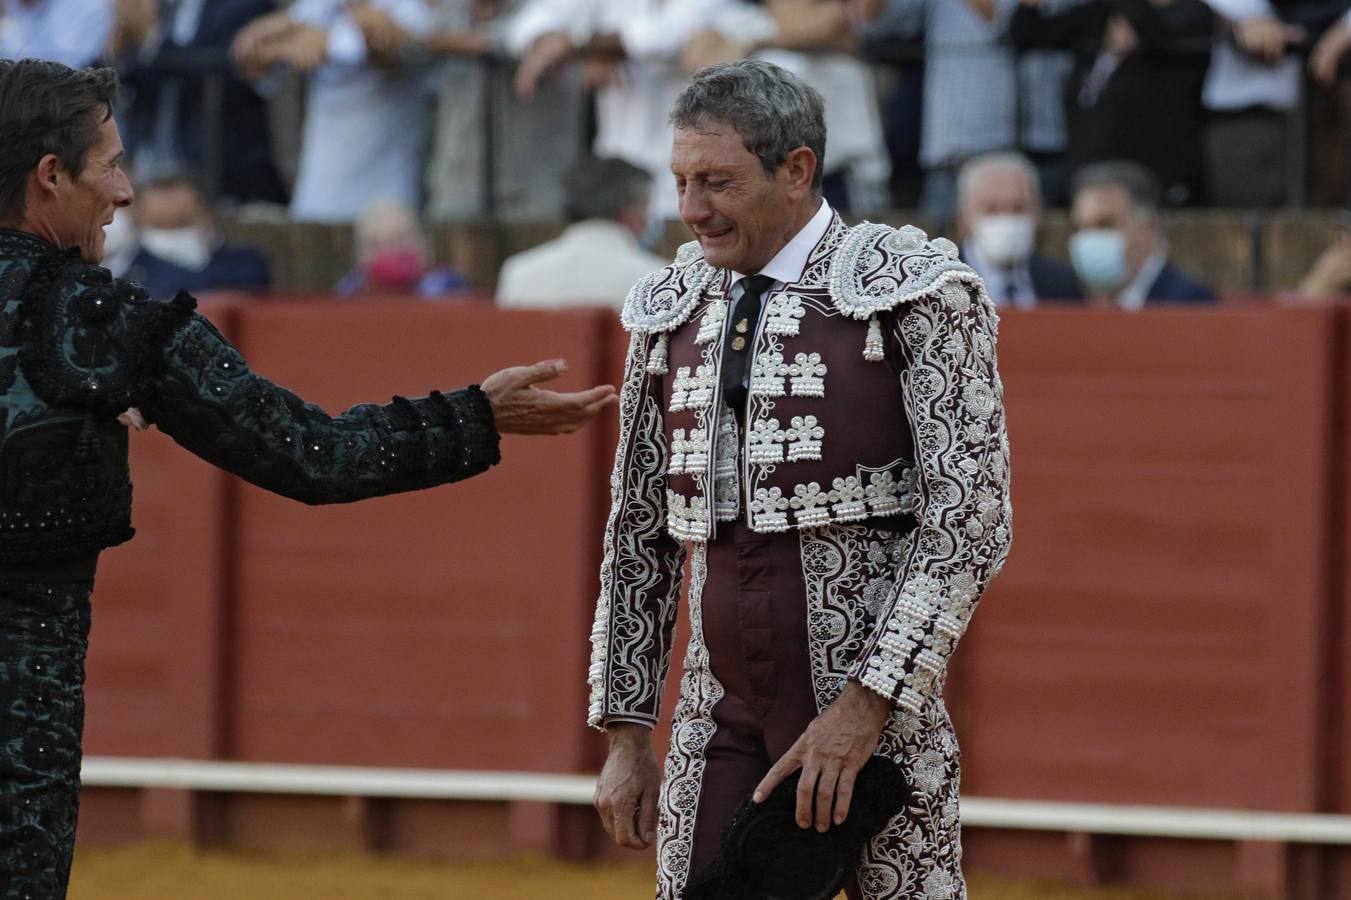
626	732
878	706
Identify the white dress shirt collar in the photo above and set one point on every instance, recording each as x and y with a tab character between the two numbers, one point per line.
1133	295
790	262
1005	286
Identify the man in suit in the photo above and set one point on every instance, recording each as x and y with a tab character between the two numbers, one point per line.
599	257
1118	247
998	208
181	247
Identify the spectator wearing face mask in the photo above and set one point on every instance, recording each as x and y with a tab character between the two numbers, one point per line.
1118	247
998	209
181	247
393	256
121	245
599	257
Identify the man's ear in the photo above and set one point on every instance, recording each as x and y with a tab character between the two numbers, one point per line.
49	173
800	168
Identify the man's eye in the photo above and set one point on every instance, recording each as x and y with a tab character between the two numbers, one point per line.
716	185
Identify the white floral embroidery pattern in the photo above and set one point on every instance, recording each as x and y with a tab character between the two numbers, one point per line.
766	442
710	326
803	438
687	520
807	376
866	277
784	314
691	729
767	374
726	489
701	387
961	500
688	455
848	572
662	301
680	390
639	576
769	510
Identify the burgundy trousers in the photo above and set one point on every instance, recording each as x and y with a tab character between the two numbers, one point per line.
755	629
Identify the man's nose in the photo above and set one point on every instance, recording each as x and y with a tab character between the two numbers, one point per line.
125	194
694	207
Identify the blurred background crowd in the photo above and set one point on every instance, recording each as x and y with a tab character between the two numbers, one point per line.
977	115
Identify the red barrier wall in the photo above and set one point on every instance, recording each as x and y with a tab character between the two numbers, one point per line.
155	673
446	628
1155	637
1168	630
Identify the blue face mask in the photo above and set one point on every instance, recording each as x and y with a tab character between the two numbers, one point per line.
1099	257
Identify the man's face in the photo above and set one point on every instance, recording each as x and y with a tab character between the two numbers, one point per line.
86	203
999	192
1109	208
172	207
740	216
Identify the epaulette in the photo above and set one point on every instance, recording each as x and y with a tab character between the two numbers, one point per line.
84	332
663	300
877	268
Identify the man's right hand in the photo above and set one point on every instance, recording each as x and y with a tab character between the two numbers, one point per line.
521	408
626	794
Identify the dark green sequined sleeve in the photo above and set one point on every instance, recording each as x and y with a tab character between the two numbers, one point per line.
201	393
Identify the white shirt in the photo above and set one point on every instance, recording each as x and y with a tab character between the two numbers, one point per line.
1236	81
631	117
1132	296
1005	286
74	32
592	262
362	137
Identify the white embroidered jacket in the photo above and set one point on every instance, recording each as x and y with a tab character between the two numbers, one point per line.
874	392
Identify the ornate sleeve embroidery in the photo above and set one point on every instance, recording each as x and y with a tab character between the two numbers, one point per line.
954	401
640	575
201	393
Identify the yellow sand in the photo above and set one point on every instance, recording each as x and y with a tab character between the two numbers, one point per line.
158	871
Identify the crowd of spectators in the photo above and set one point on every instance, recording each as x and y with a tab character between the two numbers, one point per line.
980	113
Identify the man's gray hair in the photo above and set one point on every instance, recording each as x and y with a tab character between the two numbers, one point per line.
773	110
1008	160
602	188
1137	181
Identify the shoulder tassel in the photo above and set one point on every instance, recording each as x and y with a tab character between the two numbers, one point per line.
873	350
656	363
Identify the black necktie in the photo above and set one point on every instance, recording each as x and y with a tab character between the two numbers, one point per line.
736	355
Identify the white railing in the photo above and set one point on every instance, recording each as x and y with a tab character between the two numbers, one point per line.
437	784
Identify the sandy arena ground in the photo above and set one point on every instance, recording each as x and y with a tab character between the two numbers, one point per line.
171	872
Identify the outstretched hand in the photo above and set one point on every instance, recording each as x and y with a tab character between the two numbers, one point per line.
519	407
830	753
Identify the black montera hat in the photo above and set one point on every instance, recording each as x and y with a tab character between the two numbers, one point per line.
764	855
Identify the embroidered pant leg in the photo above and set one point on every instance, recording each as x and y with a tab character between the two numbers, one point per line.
848	573
44	632
919	853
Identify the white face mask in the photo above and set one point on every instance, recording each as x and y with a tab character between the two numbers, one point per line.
119	236
187	248
1005	240
1099	257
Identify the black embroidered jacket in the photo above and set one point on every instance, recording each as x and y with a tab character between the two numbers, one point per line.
78	347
